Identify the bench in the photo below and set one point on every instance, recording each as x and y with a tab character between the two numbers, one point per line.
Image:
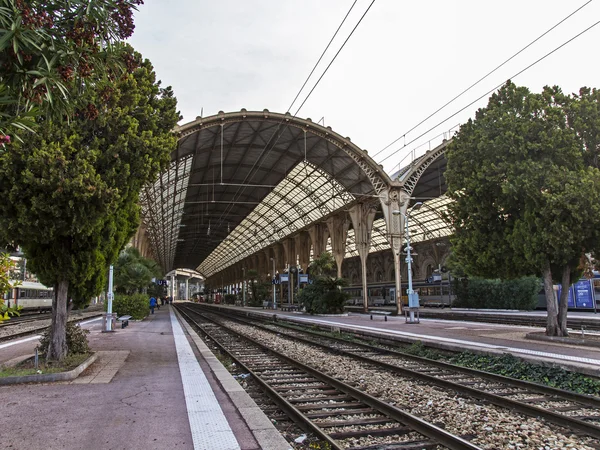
289	307
385	314
124	321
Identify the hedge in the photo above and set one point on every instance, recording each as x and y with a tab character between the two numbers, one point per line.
136	305
520	293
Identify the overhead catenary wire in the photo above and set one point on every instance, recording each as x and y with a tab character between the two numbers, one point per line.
491	90
482	78
253	170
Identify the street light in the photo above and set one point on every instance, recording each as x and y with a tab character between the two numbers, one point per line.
413	298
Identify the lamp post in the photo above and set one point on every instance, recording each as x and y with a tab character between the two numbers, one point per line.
274	298
413	299
109	301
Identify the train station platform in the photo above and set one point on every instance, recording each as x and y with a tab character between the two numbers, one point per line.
155	385
459	335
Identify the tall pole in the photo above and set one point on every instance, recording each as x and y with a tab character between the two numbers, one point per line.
291	287
274	298
413	299
109	299
243	286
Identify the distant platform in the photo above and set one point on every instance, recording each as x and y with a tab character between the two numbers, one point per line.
460	333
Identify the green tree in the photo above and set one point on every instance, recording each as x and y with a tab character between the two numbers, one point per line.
71	192
324	295
133	273
259	290
51	50
526	189
6	266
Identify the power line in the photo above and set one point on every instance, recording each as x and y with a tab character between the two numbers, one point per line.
482	78
266	150
323	54
491	90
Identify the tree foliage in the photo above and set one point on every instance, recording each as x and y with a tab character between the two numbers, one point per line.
324	295
71	192
133	273
526	188
6	266
51	50
259	289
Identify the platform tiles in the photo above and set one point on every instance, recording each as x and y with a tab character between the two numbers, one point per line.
210	430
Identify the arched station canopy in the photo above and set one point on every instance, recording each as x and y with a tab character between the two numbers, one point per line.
238	182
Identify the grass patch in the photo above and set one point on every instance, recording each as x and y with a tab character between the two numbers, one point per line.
27	367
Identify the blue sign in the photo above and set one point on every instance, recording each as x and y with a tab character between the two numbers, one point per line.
584	294
571	302
581	294
284	278
303	278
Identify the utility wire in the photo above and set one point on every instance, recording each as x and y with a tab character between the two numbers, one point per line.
267	150
323	54
491	90
242	188
482	78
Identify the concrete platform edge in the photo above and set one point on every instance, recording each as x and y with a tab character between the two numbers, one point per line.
51	377
265	433
572	366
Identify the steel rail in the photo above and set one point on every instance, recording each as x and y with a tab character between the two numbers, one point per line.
287	407
533	411
10	337
417	424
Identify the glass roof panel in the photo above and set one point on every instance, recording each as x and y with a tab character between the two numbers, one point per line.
305	195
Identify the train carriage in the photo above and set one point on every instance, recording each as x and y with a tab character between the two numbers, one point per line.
30	296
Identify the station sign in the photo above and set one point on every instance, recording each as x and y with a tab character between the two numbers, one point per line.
581	294
284	278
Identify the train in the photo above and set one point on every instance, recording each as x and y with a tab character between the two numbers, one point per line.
31	296
583	294
431	293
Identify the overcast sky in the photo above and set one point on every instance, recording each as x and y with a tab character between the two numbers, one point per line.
405	60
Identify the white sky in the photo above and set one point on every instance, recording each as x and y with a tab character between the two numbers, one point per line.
405	60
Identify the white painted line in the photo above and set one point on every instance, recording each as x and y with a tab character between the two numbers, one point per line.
91	320
20	341
525	351
210	430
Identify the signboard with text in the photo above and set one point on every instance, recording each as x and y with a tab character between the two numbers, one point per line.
581	295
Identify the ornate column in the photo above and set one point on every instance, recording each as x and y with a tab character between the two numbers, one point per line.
395	199
289	251
302	243
338	230
363	215
318	236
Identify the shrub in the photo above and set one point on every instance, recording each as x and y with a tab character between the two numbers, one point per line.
229	299
324	296
77	342
520	293
136	305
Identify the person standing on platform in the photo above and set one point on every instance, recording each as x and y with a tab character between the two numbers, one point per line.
152	304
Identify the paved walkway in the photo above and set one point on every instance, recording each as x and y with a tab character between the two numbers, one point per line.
133	397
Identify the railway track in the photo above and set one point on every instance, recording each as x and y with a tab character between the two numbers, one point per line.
30	331
335	412
563	408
